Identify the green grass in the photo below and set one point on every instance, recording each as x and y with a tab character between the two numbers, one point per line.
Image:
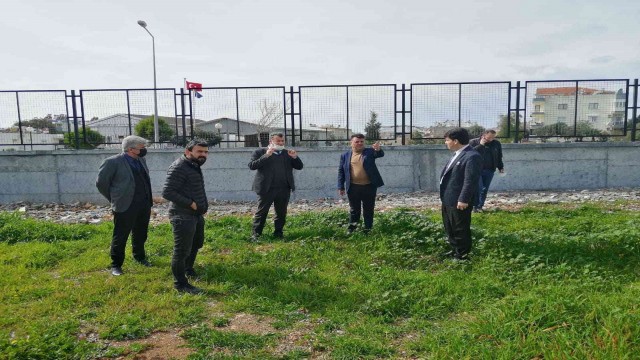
559	282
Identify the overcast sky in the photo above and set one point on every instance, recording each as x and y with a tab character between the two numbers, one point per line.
91	44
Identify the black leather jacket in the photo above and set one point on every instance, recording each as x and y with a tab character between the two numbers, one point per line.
185	185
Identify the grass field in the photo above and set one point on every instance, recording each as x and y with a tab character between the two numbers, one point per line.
546	281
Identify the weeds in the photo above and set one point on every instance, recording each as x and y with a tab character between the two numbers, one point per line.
544	282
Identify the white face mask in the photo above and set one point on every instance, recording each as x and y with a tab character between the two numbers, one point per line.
277	147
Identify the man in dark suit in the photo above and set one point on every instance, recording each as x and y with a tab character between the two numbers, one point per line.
490	150
123	179
359	178
273	183
458	191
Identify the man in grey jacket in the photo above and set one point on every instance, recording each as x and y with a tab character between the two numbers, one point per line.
184	187
123	179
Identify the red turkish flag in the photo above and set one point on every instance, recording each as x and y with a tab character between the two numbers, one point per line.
194	86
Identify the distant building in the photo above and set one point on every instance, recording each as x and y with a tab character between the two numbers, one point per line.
438	130
228	130
116	127
10	141
602	109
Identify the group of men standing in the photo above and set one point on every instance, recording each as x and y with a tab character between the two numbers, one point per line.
124	180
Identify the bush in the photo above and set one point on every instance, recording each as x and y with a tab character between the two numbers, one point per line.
93	139
146	129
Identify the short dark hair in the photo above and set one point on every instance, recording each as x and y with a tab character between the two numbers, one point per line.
357	135
196	142
278	134
460	134
489	131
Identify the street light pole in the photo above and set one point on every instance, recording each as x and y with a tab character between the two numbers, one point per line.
156	137
219	126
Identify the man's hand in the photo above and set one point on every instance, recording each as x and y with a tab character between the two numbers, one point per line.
194	206
483	141
270	151
341	192
293	153
462	206
376	146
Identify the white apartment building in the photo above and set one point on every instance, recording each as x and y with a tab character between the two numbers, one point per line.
602	109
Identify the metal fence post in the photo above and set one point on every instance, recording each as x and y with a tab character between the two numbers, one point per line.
74	108
293	120
634	112
403	116
184	117
515	139
19	118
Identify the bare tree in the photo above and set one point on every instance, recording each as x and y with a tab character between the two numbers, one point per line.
271	115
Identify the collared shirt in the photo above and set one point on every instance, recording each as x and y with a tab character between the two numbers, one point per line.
452	161
134	163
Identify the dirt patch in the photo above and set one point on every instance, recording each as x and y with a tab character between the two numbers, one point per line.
158	346
250	324
298	339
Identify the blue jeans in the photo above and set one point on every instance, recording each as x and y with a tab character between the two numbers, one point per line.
483	187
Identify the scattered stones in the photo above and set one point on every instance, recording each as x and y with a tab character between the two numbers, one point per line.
88	213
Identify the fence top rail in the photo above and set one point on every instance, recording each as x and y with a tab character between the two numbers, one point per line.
573	80
29	91
465	83
238	87
138	89
347	86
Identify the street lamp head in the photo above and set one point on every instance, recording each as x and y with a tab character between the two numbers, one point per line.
142	23
218	126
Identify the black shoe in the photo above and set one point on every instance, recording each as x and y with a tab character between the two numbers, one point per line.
447	254
190	273
463	257
351	230
255	238
144	262
189	289
366	231
116	271
278	235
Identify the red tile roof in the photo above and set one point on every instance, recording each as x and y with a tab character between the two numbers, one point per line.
567	91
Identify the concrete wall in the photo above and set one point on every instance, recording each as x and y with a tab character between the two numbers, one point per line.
69	176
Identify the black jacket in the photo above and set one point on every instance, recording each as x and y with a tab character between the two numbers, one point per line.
185	185
460	181
264	176
493	148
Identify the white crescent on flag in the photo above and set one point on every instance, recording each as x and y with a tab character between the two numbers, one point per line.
194	86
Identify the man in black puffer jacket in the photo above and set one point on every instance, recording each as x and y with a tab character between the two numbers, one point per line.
184	187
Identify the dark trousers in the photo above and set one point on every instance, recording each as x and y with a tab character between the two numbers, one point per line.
362	198
457	225
280	199
485	180
134	221
188	238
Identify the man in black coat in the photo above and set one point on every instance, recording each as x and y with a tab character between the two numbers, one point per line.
490	150
273	183
458	191
184	187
